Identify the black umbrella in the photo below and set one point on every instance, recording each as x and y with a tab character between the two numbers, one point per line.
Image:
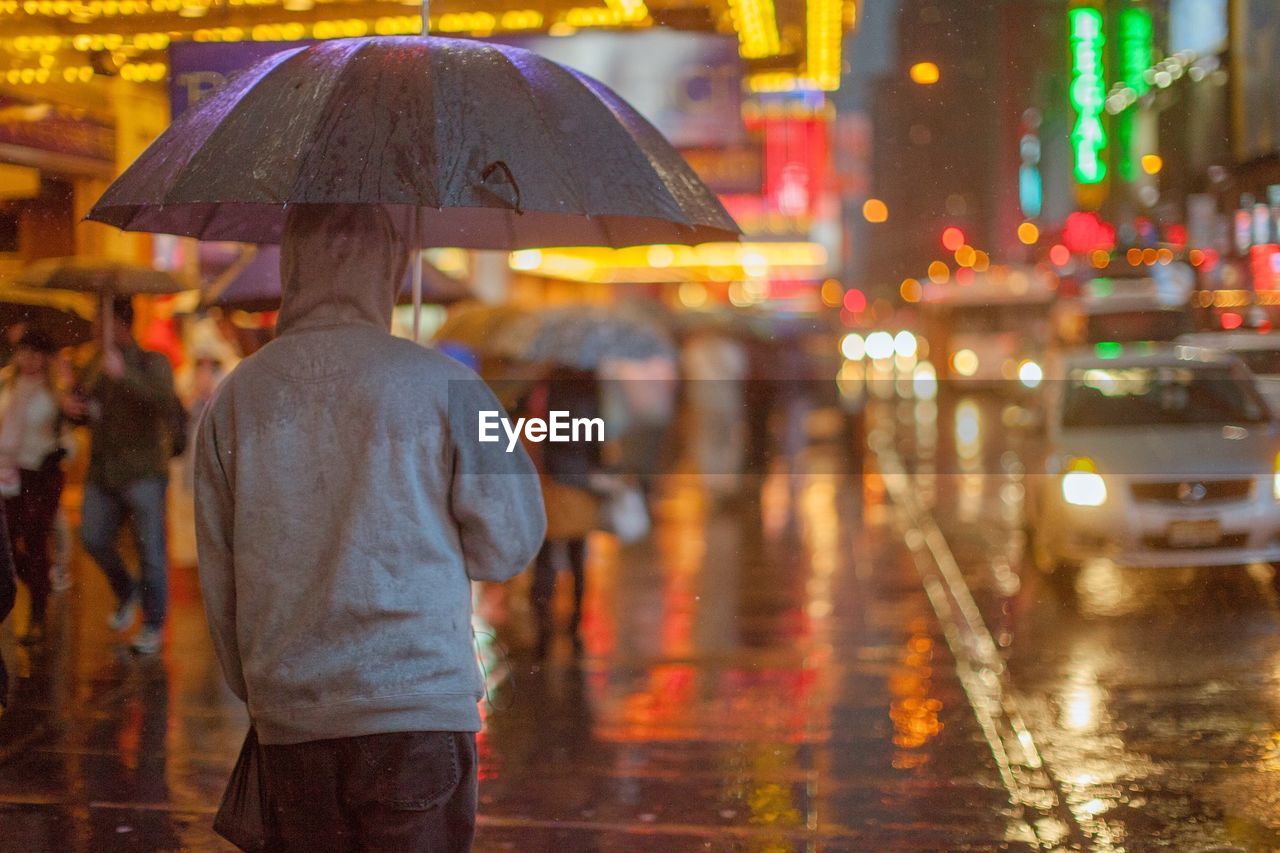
474	145
67	318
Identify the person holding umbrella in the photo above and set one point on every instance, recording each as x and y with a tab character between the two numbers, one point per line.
127	399
351	672
344	503
31	475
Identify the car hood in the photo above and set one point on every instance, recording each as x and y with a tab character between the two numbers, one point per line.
1176	452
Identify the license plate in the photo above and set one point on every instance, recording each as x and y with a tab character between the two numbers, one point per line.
1194	534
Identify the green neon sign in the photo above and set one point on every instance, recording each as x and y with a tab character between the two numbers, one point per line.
1136	43
1088	93
1136	40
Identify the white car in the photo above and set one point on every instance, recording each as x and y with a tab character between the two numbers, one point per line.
1158	456
1260	352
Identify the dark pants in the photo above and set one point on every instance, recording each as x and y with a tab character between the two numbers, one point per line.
30	516
404	791
101	517
544	582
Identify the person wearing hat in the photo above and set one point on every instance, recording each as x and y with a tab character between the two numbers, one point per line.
31	475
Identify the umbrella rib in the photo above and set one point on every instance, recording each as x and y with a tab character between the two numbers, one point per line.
282	58
580	200
324	110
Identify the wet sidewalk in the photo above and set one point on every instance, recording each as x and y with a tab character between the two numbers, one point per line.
761	676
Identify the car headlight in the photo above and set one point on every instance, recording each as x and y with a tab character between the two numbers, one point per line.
1030	374
1082	485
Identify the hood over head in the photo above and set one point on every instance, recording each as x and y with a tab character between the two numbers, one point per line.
339	265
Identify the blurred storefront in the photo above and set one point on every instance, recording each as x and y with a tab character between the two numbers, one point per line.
738	85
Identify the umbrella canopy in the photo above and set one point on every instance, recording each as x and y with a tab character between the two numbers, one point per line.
584	337
474	145
95	275
257	287
67	318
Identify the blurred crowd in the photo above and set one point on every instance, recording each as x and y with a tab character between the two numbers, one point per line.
99	434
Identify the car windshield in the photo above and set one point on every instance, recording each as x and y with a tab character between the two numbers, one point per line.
1127	326
1154	396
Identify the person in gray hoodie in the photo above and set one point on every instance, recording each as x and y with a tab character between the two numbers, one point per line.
343	505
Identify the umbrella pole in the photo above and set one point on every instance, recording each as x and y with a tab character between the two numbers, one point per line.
416	256
415	253
108	321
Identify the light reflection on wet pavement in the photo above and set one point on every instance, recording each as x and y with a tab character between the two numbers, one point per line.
761	676
766	675
1153	696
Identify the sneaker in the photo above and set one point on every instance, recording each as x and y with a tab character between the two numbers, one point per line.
59	579
149	640
123	618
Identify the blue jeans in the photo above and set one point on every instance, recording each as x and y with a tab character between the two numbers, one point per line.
101	517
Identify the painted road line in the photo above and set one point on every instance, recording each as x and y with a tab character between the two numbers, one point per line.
996	705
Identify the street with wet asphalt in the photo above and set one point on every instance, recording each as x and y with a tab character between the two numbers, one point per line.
825	663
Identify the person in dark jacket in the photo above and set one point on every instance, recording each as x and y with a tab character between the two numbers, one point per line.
8	592
568	467
128	400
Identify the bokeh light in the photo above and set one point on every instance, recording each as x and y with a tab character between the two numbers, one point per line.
1028	234
952	238
855	301
875	210
939	272
925	73
910	290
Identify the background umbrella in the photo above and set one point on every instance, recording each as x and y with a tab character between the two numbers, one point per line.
474	145
584	337
480	328
67	318
104	277
254	285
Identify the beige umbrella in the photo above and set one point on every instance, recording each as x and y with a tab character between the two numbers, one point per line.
106	278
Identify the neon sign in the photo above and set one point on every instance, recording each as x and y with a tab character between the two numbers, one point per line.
1136	41
1088	94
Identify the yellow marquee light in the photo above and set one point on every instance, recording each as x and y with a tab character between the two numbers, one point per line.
709	261
629	11
773	81
756	24
824	32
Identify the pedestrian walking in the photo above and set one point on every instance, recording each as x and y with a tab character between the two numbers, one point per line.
344	503
572	507
8	592
31	475
715	366
127	399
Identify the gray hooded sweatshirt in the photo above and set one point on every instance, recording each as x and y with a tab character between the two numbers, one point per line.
343	502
